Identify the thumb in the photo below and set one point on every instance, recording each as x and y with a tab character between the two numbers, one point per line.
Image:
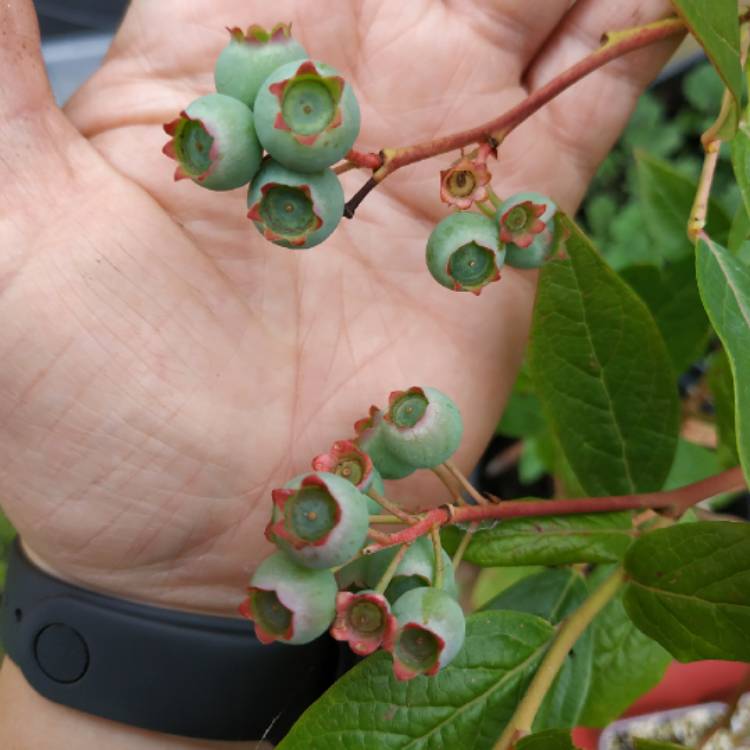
37	142
34	133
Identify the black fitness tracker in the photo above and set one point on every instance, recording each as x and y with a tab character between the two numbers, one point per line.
160	669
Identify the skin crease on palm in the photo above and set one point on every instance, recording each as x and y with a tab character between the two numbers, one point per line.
163	366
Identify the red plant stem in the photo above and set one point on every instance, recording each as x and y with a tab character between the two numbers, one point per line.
676	501
364	159
614	44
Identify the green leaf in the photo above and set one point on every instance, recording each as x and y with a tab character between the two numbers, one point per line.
533	463
626	662
739	235
603	374
548	540
467	705
552	739
644	744
741	163
550	594
716	27
721	383
493	581
522	416
666	197
553	595
671	294
689	589
7	534
724	284
691	464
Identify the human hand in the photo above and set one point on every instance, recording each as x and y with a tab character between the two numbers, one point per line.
164	366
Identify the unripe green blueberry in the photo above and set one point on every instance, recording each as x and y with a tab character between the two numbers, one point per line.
289	603
416	569
293	209
526	222
251	57
214	143
353	575
422	426
321	522
431	632
364	620
464	252
370	439
377	484
307	116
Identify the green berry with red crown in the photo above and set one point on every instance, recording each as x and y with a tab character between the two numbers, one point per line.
464	252
307	115
293	209
251	56
527	227
288	602
369	438
214	144
416	569
431	631
422	427
320	520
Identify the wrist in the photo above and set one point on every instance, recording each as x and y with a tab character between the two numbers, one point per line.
159	672
29	720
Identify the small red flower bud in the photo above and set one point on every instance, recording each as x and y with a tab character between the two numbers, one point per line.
364	620
347	460
464	182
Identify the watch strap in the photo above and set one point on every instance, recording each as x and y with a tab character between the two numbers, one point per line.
165	670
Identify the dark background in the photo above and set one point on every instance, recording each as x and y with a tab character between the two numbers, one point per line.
59	17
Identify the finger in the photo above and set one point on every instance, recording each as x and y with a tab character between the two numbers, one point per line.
582	124
518	26
34	134
23	84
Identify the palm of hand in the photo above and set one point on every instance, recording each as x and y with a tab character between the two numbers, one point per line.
176	366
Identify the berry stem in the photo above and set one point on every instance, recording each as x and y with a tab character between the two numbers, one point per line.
386	519
344	166
485	209
381	540
712	146
437	549
364	159
675	502
391	507
450	482
465	483
353	203
699	209
463	545
571	630
495	199
390	571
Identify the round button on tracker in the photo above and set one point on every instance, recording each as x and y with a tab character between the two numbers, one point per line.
61	653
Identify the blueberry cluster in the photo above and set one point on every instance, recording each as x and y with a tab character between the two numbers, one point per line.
403	600
271	97
466	250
